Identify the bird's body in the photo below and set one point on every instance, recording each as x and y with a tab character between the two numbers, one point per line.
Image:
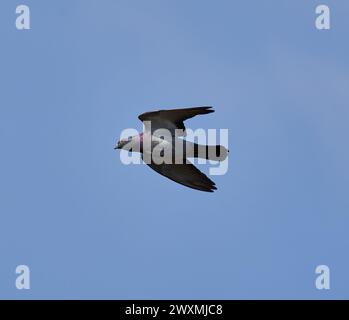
164	150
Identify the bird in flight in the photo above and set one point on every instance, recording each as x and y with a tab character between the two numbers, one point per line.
163	149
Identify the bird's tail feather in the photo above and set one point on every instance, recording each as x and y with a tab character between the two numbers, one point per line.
215	153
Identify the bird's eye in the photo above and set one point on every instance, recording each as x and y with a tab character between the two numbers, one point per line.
130	138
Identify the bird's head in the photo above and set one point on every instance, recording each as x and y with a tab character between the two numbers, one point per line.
124	143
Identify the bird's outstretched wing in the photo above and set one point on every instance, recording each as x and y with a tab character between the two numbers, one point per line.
186	174
172	119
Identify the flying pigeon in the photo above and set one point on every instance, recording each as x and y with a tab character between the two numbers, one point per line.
163	149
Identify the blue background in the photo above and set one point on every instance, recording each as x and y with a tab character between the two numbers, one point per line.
90	227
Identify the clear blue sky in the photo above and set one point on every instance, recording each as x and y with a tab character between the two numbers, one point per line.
91	227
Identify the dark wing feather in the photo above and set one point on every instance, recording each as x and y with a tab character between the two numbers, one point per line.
172	119
186	174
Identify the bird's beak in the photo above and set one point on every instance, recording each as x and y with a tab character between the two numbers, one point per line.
117	146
